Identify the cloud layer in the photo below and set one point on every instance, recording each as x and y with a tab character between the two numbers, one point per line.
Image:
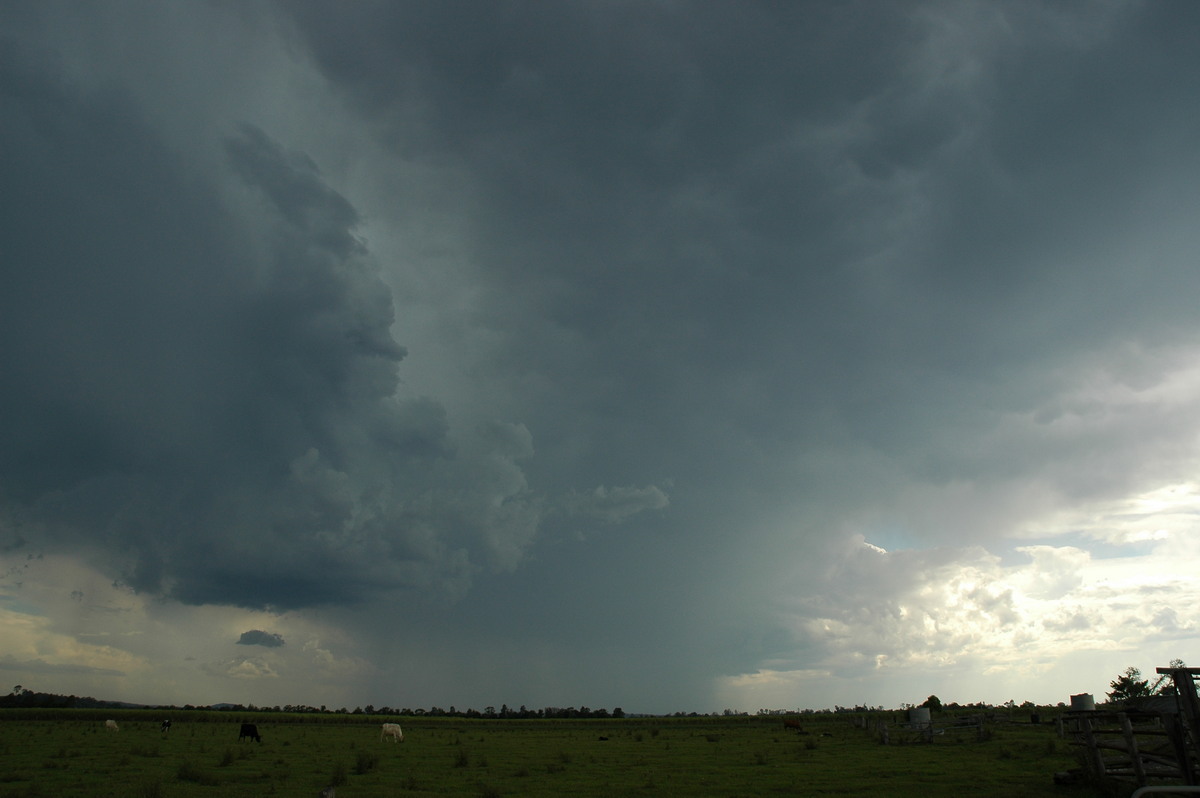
658	355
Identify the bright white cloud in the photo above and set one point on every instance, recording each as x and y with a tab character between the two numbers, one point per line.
943	618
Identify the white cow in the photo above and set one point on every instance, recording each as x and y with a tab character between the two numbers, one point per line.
111	725
392	730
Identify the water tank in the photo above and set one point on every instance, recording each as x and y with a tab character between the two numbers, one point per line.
1083	703
919	715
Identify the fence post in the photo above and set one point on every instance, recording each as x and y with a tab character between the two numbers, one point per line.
1094	759
1131	743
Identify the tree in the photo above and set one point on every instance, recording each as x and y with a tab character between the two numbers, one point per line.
1128	686
1163	685
933	703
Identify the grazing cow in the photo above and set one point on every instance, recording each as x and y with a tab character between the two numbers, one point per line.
392	730
111	725
251	731
166	725
792	723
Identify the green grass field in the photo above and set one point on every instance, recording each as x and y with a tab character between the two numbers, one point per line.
71	754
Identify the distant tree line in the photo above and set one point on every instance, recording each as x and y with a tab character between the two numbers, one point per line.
932	702
505	712
1127	687
24	698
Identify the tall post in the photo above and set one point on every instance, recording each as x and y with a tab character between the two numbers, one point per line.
1175	735
1189	707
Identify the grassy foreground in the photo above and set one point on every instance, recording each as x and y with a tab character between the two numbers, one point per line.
72	754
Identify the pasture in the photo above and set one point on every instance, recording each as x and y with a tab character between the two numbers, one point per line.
52	753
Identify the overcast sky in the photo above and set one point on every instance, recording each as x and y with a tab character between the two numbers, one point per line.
671	356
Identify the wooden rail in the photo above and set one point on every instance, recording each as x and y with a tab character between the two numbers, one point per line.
1137	747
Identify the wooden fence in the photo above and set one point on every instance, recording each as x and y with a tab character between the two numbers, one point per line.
915	731
1138	746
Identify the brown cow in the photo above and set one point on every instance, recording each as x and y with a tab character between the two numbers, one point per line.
792	723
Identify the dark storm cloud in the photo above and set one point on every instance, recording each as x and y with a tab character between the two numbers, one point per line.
815	202
293	184
177	369
795	256
203	384
654	192
257	637
757	282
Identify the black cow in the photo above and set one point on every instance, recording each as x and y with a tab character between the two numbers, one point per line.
166	726
251	731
